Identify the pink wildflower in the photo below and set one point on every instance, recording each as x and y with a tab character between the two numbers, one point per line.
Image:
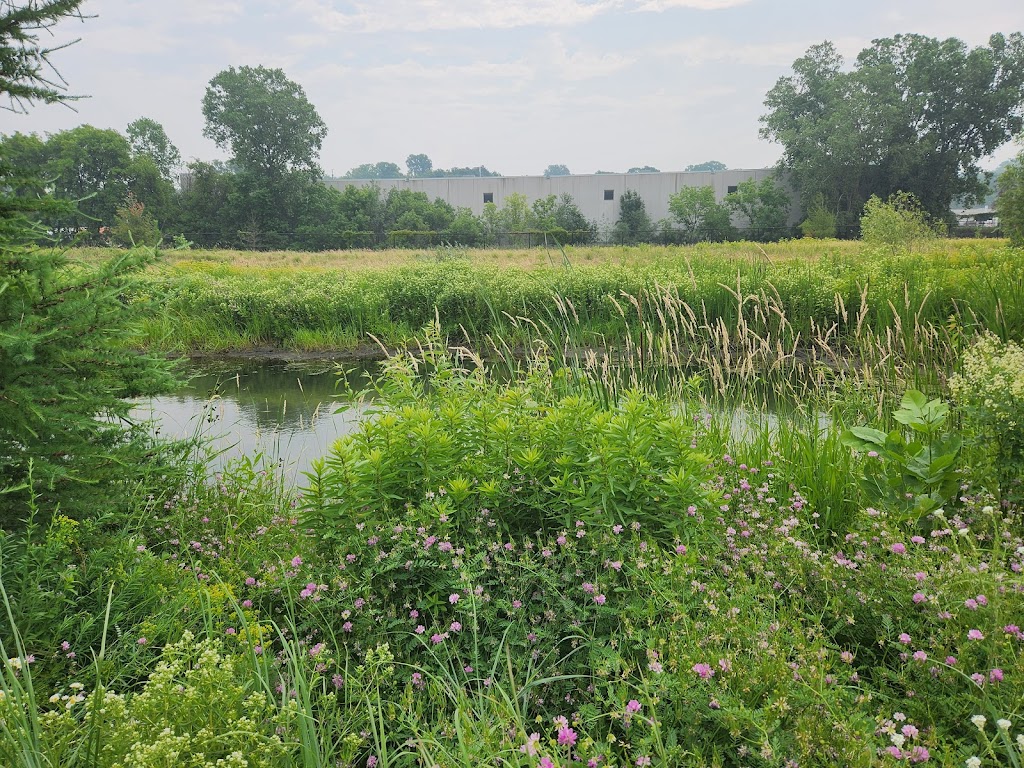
704	671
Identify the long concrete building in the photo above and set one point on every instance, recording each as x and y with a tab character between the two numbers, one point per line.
596	195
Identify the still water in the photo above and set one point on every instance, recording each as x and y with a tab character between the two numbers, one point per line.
273	412
287	415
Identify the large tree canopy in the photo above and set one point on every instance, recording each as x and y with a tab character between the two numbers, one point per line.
265	120
913	114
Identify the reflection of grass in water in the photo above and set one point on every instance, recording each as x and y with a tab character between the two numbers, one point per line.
277	417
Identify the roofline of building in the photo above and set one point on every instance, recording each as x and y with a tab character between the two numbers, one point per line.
559	176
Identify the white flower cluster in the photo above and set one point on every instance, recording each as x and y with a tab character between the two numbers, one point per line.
992	381
1003	726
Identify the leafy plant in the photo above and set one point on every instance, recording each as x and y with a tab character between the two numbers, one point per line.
910	472
134	225
898	222
447	442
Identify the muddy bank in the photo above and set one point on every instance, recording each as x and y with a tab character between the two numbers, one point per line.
361	353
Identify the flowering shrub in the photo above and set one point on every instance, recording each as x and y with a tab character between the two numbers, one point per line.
990	391
196	709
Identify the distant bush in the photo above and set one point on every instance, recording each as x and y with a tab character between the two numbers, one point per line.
899	222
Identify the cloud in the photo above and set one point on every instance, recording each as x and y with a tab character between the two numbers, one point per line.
206	12
657	6
699	51
450	73
129	40
425	15
583	65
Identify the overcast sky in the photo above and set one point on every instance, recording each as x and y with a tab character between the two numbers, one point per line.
511	84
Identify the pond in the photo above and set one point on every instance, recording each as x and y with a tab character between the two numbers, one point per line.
270	411
286	414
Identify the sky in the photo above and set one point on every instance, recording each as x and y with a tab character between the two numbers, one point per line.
515	85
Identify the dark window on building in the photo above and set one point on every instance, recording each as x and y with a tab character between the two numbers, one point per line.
488	197
733	188
609	194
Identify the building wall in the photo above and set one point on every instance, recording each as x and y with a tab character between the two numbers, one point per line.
588	191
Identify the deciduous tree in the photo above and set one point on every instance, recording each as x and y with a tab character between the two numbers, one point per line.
419	166
914	114
381	170
1010	203
147	137
711	166
634	225
699	215
264	120
764	205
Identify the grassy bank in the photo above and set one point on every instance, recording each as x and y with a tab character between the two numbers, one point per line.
528	574
813	311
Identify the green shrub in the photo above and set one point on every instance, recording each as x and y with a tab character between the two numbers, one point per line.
134	225
820	221
898	222
446	441
197	709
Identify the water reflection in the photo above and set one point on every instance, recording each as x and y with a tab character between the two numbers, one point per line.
275	412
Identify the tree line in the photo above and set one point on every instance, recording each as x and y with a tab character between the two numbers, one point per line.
913	115
124	185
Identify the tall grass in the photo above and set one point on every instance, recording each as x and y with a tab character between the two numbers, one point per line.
211	306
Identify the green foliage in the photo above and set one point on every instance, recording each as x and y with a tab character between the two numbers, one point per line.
644	169
134	225
764	205
449	443
458	172
209	305
896	223
990	393
710	166
420	166
557	170
465	229
147	137
64	369
26	74
900	119
1010	202
634	225
265	120
910	474
699	215
207	687
92	167
820	222
381	170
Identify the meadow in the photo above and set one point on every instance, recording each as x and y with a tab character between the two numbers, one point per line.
225	303
550	544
